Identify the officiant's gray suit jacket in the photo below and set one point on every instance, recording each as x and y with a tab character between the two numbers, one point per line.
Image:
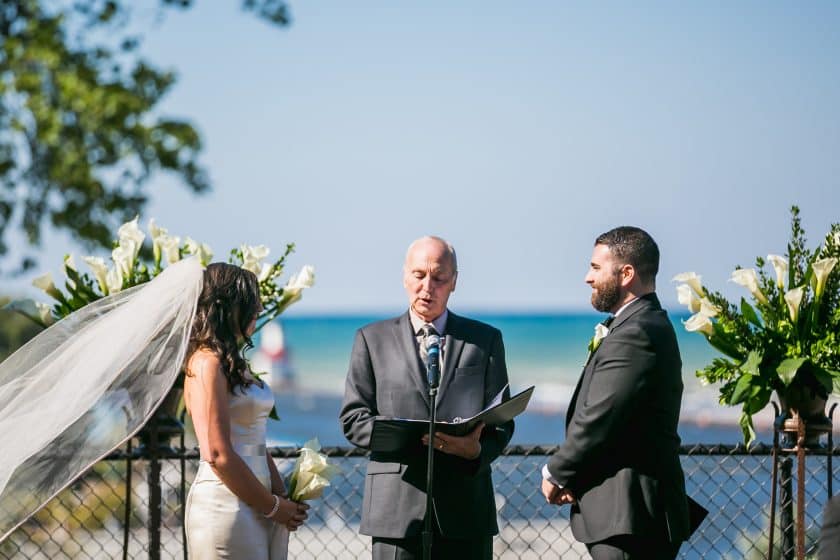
386	378
620	458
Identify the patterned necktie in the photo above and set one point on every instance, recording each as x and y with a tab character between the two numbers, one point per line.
425	332
608	321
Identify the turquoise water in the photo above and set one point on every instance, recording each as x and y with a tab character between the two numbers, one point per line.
546	350
540	347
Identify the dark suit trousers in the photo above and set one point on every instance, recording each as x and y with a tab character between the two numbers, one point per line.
411	548
633	547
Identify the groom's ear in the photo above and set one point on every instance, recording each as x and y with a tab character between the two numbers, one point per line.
454	280
627	275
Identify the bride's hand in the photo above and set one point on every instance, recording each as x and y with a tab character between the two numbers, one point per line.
291	514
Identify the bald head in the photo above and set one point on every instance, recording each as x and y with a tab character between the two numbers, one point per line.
429	276
434	243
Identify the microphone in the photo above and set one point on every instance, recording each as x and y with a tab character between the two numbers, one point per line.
433	360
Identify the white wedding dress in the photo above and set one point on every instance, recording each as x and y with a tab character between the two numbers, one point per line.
219	524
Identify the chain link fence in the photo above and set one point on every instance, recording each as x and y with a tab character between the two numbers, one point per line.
88	520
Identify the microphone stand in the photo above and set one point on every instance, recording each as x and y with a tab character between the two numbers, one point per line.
433	376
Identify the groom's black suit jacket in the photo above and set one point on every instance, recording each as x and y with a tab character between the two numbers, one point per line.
620	458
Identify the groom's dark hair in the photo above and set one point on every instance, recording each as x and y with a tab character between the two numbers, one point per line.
633	246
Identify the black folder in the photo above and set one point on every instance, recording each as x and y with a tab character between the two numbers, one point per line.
696	515
398	434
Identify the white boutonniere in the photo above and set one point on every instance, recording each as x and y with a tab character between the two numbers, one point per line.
601	331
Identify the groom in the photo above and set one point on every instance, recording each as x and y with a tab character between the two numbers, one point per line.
387	377
619	465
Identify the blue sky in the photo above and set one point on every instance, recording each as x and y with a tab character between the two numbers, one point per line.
518	131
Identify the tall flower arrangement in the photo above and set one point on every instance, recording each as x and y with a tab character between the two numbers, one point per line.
131	266
786	339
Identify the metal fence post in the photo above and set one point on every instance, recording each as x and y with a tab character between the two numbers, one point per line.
786	504
154	490
127	517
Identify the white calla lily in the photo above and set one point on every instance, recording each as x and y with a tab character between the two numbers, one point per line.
201	250
70	264
205	254
252	257
687	296
748	278
171	248
45	313
158	234
123	257
303	279
45	282
693	280
781	266
253	266
699	323
33	310
130	232
311	473
822	268
255	252
793	299
601	332
293	290
708	308
155	230
114	280
265	272
100	271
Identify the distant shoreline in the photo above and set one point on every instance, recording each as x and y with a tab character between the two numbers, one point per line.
309	413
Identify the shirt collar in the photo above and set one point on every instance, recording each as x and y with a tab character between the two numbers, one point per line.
417	322
623	307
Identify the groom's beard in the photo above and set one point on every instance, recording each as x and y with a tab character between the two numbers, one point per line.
606	296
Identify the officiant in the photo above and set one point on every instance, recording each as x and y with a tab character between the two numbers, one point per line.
387	377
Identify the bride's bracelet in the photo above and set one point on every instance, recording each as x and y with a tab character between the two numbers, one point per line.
275	508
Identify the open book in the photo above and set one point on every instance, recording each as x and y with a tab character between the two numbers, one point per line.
396	434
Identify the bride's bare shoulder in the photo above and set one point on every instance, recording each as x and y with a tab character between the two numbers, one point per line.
203	363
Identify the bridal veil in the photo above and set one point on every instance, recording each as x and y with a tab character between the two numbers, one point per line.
86	384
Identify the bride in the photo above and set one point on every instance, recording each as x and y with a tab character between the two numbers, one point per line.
237	506
85	385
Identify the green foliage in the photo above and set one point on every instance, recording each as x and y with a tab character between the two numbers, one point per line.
132	266
79	131
785	340
15	330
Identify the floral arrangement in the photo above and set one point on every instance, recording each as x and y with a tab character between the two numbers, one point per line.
132	266
787	340
311	473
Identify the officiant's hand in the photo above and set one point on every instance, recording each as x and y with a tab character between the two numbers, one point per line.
291	514
467	447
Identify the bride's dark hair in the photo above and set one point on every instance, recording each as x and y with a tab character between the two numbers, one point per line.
228	302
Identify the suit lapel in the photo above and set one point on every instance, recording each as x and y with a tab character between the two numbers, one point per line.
645	301
404	334
451	352
570	411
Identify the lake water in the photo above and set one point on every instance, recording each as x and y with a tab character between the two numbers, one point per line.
546	350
